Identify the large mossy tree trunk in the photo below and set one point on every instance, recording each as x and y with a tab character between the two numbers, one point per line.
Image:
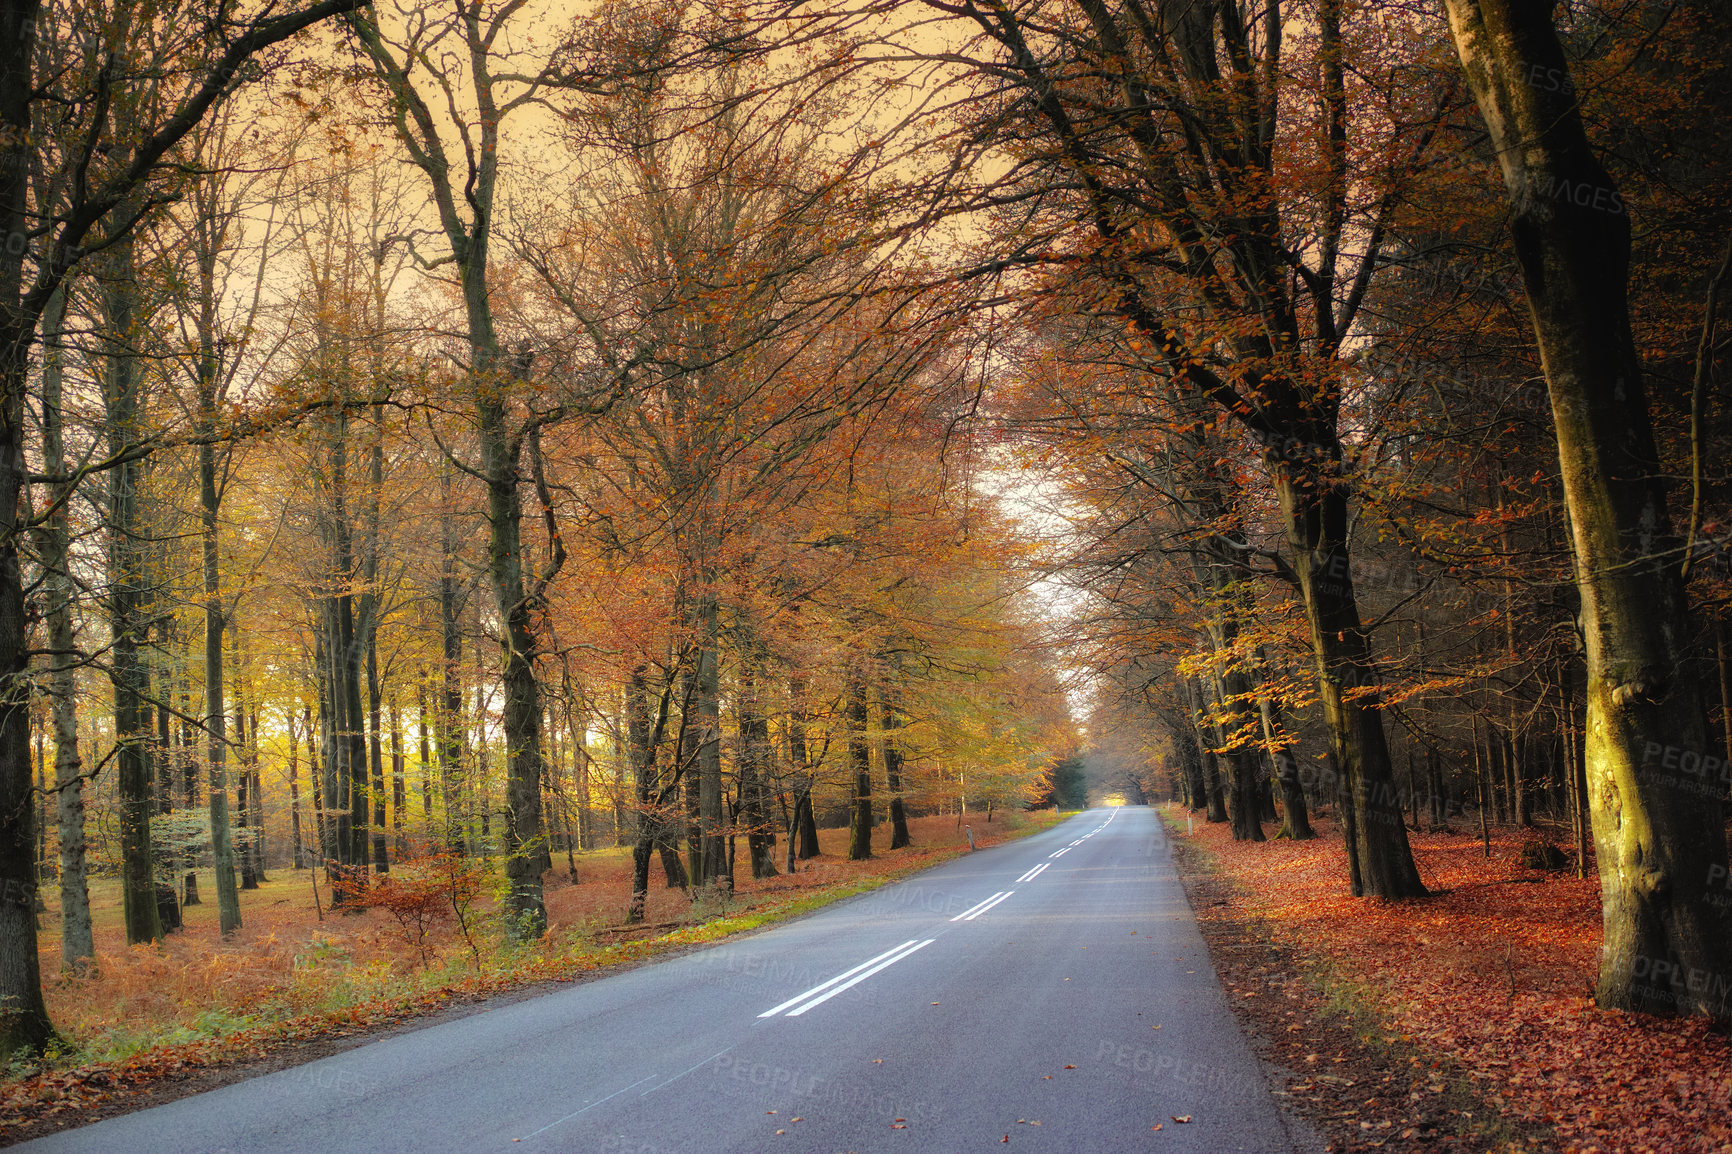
1655	796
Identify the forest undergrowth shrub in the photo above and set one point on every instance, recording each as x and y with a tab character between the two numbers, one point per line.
425	895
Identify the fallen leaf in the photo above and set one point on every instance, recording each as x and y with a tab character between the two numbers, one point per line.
1156	1126
1180	1118
1070	1067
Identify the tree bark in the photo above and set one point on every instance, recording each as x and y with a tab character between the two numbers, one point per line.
1295	814
126	594
448	719
1198	707
77	941
860	766
899	838
752	764
1315	511
1656	805
399	786
299	850
704	734
376	761
803	837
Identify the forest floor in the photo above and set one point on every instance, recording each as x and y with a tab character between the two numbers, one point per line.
159	1022
1461	1021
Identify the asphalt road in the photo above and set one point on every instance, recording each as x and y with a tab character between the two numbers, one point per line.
1053	991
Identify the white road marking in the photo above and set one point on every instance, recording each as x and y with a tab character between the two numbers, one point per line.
797	998
1033	873
827	995
979	905
593	1104
990	902
684	1072
1060	853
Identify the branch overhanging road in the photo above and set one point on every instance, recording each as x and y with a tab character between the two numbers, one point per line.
1052	990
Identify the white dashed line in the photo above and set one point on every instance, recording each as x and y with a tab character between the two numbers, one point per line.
860	973
983	907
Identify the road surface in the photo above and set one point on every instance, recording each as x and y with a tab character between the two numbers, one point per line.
1053	991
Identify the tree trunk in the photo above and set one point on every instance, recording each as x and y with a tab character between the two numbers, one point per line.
1315	510
343	645
368	626
704	732
300	857
126	594
77	941
1658	821
752	763
1295	814
448	721
893	774
399	787
244	812
424	753
1231	688
1198	705
860	766
525	843
376	760
246	848
654	829
805	831
1191	763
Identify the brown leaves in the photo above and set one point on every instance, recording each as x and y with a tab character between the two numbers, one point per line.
1488	977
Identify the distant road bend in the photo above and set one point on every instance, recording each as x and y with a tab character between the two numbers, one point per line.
1053	990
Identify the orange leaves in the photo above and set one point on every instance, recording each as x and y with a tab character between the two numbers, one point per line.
1490	975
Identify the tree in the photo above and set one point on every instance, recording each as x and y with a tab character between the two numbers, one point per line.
508	414
1658	844
1139	153
93	215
